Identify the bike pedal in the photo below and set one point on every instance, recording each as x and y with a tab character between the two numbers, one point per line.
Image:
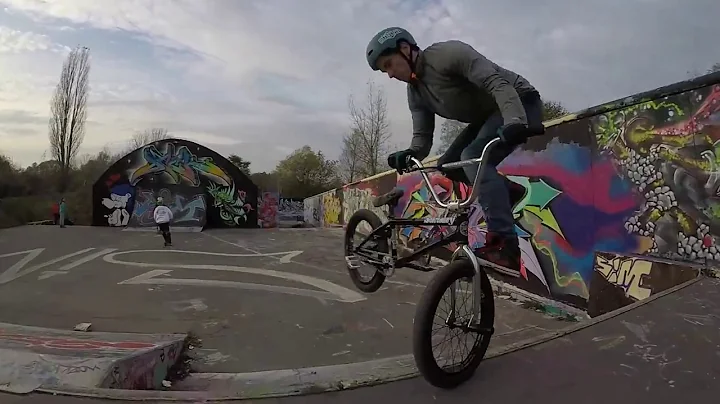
352	261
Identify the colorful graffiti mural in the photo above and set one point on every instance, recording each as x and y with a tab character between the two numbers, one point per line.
198	182
188	209
637	176
268	210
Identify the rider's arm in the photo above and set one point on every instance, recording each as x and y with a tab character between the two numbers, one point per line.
423	125
462	59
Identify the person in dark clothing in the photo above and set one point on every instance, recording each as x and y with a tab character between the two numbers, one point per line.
453	80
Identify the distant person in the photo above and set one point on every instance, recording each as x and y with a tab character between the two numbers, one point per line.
163	216
55	212
62	211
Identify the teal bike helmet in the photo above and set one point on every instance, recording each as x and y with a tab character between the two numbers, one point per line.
386	41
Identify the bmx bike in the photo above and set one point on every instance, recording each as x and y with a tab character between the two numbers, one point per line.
379	249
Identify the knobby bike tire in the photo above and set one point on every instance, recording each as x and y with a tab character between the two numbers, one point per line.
378	278
423	324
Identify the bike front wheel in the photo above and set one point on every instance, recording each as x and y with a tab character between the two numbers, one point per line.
434	369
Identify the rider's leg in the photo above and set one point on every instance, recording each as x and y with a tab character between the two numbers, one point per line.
453	152
501	246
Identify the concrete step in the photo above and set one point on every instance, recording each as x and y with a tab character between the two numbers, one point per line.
34	357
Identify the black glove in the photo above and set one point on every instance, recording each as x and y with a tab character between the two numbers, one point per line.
455	174
399	160
514	134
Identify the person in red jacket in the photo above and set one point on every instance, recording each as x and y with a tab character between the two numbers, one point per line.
55	212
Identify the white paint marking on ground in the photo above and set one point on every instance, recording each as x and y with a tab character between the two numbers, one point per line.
88	258
16	270
50	274
415	285
286	256
336	292
388	323
282	260
148	278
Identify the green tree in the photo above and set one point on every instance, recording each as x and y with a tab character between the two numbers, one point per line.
305	173
553	109
243	165
265	181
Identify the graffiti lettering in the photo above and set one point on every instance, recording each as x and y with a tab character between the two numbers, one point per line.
290	209
331	208
627	272
187	211
178	164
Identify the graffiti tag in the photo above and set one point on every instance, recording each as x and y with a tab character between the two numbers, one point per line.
627	272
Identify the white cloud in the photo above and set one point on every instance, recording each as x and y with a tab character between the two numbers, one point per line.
13	41
259	78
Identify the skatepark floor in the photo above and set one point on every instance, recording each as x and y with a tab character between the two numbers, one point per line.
661	352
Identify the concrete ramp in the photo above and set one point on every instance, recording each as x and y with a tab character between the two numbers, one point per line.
33	357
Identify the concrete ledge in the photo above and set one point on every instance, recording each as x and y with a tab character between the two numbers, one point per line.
33	358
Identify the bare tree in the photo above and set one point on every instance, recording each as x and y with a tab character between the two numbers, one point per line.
449	130
68	108
348	164
371	126
140	139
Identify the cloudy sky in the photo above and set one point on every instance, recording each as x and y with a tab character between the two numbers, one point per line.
261	78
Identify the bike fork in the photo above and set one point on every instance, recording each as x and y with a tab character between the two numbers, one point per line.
477	286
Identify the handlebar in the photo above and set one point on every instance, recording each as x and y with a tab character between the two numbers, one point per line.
481	161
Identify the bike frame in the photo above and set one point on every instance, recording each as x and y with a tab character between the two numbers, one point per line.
389	261
391	229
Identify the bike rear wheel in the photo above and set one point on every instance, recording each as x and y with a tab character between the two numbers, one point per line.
453	275
364	283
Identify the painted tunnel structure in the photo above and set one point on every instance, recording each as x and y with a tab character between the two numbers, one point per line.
201	187
615	197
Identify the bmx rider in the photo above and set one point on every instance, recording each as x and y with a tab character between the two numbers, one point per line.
453	80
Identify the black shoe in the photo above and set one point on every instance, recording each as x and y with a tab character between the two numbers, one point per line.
501	255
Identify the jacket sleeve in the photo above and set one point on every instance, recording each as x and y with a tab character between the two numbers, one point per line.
464	60
423	125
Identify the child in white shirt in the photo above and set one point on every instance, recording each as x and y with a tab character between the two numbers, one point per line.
163	216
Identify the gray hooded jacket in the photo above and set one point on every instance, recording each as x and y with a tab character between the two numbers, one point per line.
457	82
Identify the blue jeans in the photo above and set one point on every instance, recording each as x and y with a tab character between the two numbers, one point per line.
494	197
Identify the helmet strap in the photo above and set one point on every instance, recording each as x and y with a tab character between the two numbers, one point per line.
412	63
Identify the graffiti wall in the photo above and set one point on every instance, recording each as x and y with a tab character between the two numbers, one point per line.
199	185
268	210
639	176
290	210
188	206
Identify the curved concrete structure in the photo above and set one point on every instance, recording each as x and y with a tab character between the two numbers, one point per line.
202	188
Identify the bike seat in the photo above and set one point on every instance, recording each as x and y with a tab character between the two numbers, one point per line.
391	198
